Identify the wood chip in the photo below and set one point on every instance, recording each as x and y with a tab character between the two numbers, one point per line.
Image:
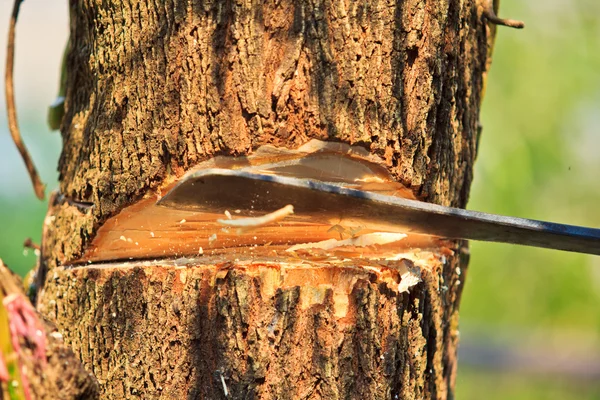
246	224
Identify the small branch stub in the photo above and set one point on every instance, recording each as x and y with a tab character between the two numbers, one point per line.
494	19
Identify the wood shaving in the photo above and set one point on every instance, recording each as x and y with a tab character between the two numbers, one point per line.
246	224
409	279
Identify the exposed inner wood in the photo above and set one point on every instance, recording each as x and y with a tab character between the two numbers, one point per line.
146	231
182	226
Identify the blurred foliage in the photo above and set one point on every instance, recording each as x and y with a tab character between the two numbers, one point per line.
20	219
538	158
21	213
530	164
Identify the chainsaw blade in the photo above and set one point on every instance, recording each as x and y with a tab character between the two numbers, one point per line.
212	190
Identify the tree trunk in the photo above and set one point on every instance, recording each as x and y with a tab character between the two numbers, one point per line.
154	88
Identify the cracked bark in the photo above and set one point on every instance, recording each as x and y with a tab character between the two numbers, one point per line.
156	87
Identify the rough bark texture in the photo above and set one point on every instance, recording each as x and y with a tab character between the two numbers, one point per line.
255	330
64	377
156	87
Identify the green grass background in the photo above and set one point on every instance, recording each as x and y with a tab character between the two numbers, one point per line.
539	158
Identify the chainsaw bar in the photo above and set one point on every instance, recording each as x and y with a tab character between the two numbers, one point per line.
218	189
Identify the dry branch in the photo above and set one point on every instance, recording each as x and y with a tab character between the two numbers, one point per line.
11	110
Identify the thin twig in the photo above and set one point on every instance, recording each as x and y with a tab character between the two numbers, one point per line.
494	19
28	243
38	186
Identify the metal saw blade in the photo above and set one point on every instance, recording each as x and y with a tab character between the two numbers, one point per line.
218	189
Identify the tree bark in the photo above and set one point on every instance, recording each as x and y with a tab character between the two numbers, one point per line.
154	88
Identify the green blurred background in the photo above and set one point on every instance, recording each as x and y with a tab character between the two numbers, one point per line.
530	318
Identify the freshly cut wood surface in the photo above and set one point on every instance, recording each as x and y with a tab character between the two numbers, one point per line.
147	231
185	226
